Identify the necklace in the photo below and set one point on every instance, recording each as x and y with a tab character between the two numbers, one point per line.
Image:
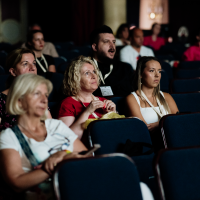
33	135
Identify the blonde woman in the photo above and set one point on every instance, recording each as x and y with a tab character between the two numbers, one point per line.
147	102
80	81
48	140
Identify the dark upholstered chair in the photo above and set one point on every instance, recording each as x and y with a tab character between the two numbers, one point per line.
106	177
178	173
58	61
190	65
57	81
120	103
110	134
188	73
185	85
54	109
187	102
164	82
166	67
181	130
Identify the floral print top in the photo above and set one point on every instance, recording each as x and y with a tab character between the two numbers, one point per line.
7	120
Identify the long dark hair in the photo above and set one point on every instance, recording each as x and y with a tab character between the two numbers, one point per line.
30	37
120	29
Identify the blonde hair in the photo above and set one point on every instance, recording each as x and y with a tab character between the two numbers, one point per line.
22	86
72	75
137	81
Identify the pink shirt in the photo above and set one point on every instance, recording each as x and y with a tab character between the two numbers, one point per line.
192	53
154	44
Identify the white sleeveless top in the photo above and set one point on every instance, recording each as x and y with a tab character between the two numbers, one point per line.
149	115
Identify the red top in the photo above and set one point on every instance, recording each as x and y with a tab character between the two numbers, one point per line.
71	107
154	44
192	53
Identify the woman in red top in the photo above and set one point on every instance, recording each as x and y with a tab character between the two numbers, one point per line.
153	40
80	81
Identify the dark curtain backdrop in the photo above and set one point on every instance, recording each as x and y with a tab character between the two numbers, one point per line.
184	13
86	17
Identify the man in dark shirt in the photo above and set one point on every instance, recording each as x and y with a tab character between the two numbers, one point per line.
116	76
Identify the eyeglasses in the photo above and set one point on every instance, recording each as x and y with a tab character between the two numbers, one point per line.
59	147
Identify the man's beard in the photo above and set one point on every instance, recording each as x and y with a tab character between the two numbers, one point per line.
104	59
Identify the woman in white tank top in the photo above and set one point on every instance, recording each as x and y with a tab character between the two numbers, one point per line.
147	102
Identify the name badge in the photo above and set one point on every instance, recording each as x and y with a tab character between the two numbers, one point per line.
106	91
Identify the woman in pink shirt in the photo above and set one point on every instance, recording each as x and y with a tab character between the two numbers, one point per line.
153	40
193	52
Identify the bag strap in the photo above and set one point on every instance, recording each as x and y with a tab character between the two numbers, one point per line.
25	146
159	105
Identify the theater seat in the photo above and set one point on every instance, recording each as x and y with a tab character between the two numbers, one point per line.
185	85
112	176
57	81
84	50
188	73
54	109
178	173
58	61
190	65
120	103
3	79
2	71
110	134
65	46
181	130
187	102
164	82
62	67
69	55
166	67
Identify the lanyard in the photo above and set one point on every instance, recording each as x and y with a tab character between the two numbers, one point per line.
95	98
45	62
159	105
100	74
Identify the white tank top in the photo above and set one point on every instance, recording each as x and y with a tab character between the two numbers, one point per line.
149	115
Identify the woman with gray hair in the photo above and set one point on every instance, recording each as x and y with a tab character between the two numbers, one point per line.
30	150
80	81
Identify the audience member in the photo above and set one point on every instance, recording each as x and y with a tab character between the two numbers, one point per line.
49	48
147	102
35	141
131	53
80	81
154	41
19	61
122	35
44	63
193	52
116	76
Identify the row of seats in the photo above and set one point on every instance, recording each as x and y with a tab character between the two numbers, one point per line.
114	176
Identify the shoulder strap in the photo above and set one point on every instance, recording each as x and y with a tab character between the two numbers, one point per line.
25	146
160	114
136	97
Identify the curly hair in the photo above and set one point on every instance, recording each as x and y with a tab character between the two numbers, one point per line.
72	75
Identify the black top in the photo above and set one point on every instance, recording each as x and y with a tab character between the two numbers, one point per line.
120	79
50	61
7	120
